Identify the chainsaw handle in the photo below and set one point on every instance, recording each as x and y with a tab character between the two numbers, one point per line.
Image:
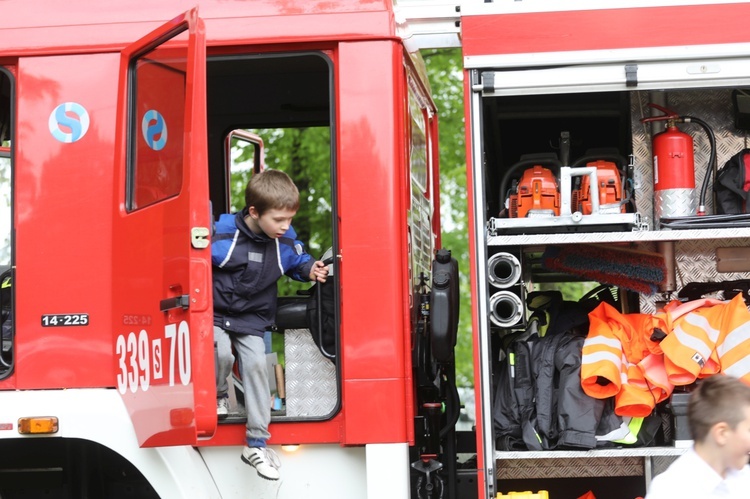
668	114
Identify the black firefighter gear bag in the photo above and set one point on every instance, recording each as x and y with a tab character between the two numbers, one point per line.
539	403
733	184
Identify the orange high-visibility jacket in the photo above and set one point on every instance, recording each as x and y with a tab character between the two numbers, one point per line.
703	337
707	340
613	349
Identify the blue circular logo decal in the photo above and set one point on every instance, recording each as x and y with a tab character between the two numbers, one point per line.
69	122
152	126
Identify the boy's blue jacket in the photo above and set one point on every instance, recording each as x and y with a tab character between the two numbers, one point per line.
246	267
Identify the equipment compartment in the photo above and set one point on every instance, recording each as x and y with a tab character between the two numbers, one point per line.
596	124
565	168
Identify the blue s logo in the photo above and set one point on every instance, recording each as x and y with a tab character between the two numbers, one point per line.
67	128
153	126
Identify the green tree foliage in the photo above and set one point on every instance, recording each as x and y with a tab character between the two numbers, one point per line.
444	69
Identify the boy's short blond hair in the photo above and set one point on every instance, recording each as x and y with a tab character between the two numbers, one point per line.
717	399
271	190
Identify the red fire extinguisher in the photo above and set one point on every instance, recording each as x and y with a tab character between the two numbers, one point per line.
674	167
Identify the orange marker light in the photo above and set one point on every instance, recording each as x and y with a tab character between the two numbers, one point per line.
38	425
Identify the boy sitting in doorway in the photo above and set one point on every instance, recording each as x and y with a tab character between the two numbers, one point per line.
250	251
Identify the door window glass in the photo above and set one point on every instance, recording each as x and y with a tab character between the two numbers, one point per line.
157	126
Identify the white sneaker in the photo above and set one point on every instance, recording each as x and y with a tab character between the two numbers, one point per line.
264	460
222	407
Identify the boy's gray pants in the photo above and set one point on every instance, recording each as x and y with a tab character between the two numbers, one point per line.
253	373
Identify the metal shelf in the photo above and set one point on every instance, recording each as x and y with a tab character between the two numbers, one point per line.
616	237
582	454
585	464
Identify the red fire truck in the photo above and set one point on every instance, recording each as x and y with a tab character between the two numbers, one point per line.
592	130
118	126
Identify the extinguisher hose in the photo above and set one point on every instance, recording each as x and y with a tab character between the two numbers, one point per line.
710	168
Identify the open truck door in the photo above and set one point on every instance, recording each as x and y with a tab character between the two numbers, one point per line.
161	269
